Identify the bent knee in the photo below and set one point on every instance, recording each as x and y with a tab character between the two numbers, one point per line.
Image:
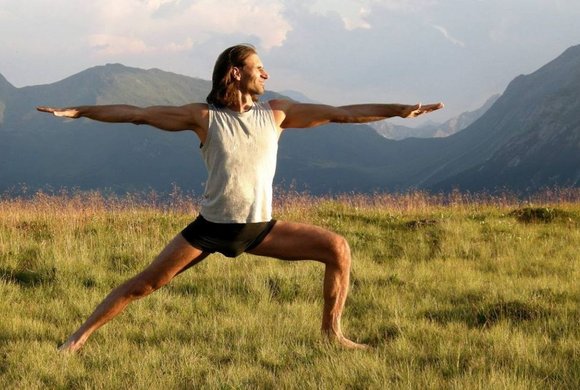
339	250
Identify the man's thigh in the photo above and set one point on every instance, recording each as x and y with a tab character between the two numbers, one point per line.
177	256
298	241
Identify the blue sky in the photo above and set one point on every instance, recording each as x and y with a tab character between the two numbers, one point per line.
334	51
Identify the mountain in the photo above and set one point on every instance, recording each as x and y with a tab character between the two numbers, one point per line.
298	96
431	129
465	119
527	139
6	89
533	137
43	151
398	132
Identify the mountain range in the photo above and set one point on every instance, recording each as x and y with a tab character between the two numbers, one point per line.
433	129
528	139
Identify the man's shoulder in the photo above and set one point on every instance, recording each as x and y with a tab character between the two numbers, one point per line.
196	109
280	104
196	106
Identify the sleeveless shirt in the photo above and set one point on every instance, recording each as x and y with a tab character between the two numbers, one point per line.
240	156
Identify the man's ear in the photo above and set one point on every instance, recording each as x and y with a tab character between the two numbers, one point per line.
236	73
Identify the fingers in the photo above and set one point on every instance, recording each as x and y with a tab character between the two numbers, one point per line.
46	109
427	108
433	107
61	112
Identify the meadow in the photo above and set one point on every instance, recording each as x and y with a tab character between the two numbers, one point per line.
451	292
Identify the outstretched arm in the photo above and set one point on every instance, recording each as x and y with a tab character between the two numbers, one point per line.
299	115
188	117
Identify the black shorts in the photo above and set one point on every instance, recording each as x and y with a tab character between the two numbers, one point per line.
230	239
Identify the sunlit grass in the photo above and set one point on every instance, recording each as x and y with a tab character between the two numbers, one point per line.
458	291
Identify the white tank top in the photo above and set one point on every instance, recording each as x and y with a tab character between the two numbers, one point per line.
240	156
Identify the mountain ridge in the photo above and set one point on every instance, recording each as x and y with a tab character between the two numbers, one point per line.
525	98
433	130
527	139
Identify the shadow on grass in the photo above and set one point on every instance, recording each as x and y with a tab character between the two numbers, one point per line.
283	290
123	262
540	215
490	314
389	241
36	230
389	222
384	334
28	277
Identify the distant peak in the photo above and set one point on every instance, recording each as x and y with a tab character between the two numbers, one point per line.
570	54
573	49
107	68
117	66
569	58
5	83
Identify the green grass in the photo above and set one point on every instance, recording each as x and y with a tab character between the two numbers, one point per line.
466	294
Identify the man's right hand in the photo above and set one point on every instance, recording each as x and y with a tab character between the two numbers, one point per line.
62	112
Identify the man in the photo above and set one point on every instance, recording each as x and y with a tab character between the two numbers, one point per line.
239	138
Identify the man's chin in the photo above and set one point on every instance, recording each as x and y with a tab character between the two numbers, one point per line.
256	95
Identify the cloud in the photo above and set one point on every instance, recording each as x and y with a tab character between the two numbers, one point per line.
253	17
405	5
448	36
357	21
155	21
349	8
352	13
113	44
355	13
155	5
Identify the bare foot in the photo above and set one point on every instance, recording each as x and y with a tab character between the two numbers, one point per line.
343	341
351	344
70	346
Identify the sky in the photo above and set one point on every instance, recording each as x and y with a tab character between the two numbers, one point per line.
337	52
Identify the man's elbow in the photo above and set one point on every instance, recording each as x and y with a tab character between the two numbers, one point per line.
342	119
139	117
341	115
138	122
346	118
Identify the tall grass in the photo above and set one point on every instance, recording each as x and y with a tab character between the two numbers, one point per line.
451	291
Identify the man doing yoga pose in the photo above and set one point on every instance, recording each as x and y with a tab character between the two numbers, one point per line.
239	137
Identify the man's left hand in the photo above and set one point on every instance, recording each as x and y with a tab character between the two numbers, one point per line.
418	109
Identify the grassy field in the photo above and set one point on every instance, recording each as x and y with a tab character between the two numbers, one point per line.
451	292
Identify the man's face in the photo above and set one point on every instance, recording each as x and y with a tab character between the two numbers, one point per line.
253	76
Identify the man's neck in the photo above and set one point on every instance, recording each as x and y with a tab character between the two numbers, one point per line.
245	103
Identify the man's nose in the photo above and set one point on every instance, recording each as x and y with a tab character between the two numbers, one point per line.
265	75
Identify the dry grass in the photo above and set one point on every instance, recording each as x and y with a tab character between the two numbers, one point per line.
458	291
